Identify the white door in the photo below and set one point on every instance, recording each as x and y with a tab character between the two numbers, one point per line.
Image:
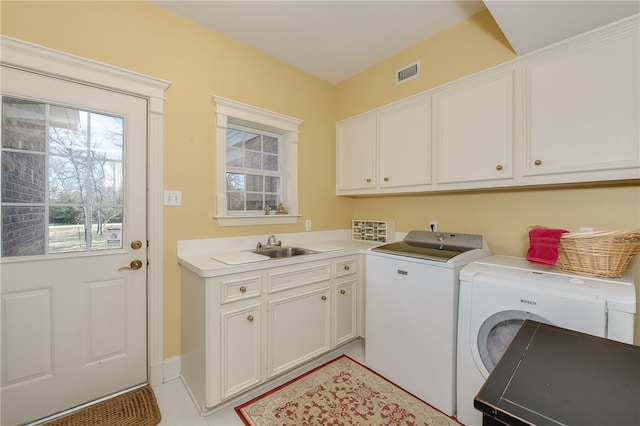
73	207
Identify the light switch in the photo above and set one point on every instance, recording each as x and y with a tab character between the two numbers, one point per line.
172	198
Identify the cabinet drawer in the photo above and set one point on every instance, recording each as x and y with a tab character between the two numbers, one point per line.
304	274
345	267
240	288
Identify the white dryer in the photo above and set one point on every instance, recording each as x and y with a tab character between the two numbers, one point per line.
499	292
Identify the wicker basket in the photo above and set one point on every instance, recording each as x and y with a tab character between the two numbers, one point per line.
599	254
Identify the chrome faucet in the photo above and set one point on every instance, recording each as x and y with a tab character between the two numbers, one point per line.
271	243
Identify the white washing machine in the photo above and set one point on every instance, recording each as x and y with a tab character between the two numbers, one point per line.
499	292
412	311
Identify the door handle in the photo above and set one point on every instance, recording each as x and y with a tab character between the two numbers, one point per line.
134	265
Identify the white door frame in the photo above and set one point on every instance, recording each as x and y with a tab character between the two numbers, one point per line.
31	57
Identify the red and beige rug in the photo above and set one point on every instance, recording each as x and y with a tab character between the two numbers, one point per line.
340	392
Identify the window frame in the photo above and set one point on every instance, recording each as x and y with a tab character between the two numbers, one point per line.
230	112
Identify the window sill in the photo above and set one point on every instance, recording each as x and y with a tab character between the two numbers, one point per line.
257	220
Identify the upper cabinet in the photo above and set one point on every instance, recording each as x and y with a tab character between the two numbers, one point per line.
568	113
473	130
355	154
581	110
372	149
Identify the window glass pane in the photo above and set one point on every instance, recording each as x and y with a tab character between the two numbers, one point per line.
235	138
271	184
235	201
270	162
253	160
23	125
271	200
253	142
255	183
235	182
67	180
270	144
23	177
23	231
254	201
107	139
234	158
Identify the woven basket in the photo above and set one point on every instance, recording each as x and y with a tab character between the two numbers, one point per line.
599	254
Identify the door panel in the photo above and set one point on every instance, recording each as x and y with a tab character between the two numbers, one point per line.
73	320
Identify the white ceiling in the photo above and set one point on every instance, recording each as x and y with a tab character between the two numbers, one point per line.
335	40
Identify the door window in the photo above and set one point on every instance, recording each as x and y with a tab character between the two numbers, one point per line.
62	179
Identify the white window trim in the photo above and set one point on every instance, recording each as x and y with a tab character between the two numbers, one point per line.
232	112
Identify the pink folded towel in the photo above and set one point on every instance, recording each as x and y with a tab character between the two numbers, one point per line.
543	245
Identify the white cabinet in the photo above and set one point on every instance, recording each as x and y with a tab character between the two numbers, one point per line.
567	113
474	131
371	149
356	155
345	299
299	328
404	145
242	329
582	110
240	349
299	308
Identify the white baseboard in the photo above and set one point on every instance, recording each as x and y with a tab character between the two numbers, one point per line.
172	368
164	371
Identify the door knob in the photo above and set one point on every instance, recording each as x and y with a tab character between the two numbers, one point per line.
134	265
136	245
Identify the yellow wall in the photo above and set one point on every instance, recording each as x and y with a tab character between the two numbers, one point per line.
200	63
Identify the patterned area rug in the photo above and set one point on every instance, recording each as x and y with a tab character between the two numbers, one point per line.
340	392
136	408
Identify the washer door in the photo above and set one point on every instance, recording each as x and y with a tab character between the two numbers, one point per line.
497	332
501	302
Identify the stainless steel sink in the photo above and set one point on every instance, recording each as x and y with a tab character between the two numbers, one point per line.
277	252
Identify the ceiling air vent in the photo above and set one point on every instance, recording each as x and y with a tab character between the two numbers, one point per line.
408	72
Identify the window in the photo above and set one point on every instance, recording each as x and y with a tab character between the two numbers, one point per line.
257	165
61	179
253	173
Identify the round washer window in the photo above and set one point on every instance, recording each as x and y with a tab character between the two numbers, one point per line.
497	332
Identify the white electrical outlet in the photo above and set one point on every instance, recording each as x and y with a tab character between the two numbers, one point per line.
307	225
433	226
172	198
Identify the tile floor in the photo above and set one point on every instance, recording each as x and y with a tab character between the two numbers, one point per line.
177	409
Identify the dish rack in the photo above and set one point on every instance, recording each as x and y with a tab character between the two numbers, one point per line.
382	231
600	253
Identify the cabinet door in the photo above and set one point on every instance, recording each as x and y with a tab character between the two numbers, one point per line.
583	108
345	312
474	130
299	329
240	350
355	153
405	144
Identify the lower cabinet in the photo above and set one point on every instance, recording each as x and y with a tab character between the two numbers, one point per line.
299	329
241	330
240	349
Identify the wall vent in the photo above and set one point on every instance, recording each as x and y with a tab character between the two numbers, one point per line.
407	73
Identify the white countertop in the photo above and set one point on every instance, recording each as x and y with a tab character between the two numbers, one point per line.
200	256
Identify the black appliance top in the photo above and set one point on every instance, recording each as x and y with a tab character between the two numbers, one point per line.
438	246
